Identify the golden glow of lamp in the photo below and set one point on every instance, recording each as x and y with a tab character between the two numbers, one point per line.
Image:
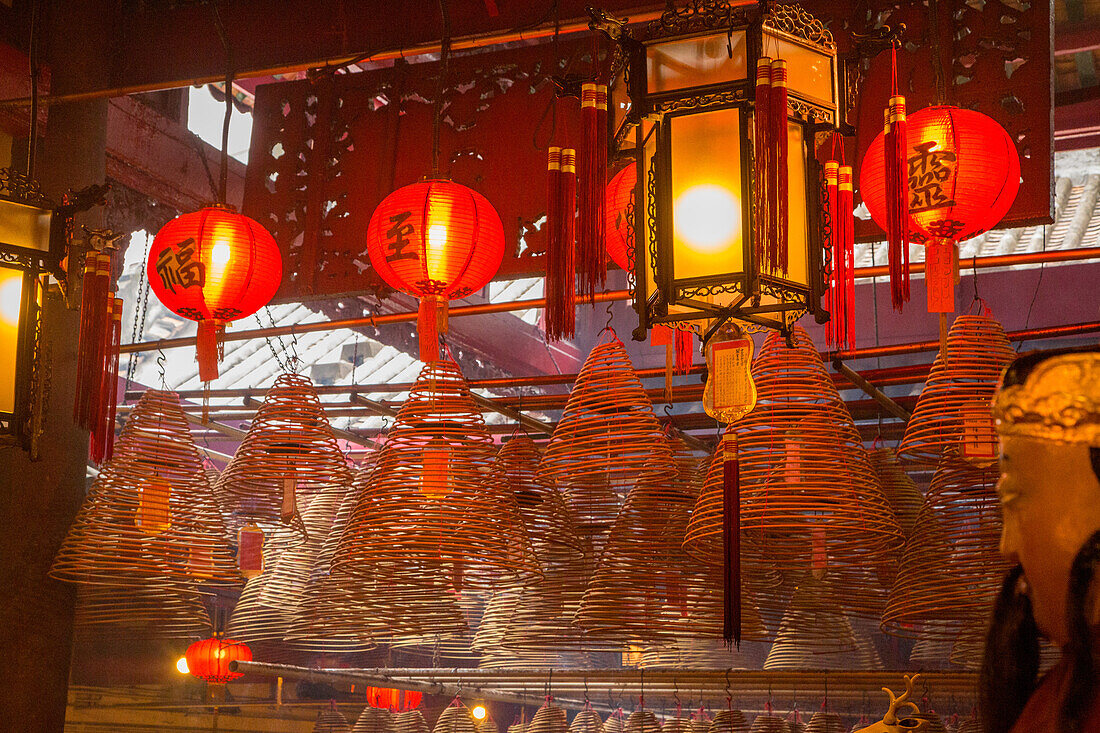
683	105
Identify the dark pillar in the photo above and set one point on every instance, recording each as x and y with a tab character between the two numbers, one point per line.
39	499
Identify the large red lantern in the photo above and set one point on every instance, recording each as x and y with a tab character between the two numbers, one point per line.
963	172
437	240
213	266
620	194
209	659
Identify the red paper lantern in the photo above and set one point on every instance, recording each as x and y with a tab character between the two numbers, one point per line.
388	698
437	240
209	659
212	266
620	239
963	172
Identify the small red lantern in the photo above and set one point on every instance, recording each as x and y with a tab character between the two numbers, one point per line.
213	266
437	240
209	659
620	194
963	172
390	699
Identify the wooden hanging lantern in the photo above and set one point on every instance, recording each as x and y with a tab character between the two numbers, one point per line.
951	568
213	266
437	240
150	518
375	718
209	659
953	417
727	187
607	440
288	456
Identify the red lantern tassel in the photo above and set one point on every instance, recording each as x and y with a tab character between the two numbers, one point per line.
731	541
685	343
591	262
99	321
568	197
761	179
834	301
110	391
427	328
560	252
846	283
84	349
778	128
207	349
897	192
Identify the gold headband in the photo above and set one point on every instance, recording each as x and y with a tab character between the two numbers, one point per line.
1059	401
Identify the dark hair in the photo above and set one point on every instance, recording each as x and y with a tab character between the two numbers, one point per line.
1010	666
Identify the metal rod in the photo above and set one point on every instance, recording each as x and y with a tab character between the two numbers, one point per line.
525	420
872	391
610	296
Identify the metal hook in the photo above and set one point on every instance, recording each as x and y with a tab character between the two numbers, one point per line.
729	691
610	317
586	701
161	358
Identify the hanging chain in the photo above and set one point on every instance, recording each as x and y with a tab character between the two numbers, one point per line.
270	345
140	306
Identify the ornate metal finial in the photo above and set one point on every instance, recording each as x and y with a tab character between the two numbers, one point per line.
601	20
792	18
879	39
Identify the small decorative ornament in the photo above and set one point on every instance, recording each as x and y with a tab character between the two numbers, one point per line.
213	266
436	240
209	659
730	393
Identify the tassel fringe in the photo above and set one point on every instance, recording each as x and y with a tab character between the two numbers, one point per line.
206	349
591	190
731	541
560	252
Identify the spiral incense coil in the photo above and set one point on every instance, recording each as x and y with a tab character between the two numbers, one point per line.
676	724
642	721
808	493
520	727
586	720
410	721
288	455
331	721
901	491
814	625
700	722
375	720
429	508
615	723
951	567
645	583
952	418
607	440
932	650
126	613
518	659
320	599
150	519
825	722
712	653
728	721
548	719
768	723
488	725
794	723
455	719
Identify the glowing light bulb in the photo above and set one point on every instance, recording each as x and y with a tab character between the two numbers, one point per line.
479	712
437	235
437	251
11	293
220	254
181	665
707	217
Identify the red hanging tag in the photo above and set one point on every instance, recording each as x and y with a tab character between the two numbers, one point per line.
731	541
979	438
250	550
153	514
819	554
435	481
939	275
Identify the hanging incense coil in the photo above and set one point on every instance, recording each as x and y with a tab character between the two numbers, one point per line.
952	418
729	721
586	720
607	440
324	603
488	725
645	584
694	653
429	511
700	722
548	719
615	723
375	720
825	722
951	567
901	491
642	721
520	727
814	632
410	721
288	455
932	650
331	721
455	719
129	613
676	724
808	494
769	723
150	519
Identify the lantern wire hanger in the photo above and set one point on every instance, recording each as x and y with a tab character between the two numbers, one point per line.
444	62
223	172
